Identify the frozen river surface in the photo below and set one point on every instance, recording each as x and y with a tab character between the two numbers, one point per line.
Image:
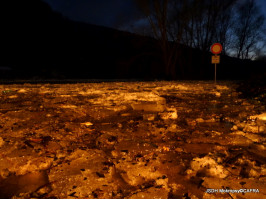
131	140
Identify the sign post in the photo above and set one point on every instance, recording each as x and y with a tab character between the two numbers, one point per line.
216	48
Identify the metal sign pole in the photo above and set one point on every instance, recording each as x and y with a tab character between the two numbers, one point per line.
215	75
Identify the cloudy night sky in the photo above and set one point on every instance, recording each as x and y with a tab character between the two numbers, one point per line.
114	13
107	13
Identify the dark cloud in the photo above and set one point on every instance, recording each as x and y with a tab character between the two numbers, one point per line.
110	13
119	14
262	5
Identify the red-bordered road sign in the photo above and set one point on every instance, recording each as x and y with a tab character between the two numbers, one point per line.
216	48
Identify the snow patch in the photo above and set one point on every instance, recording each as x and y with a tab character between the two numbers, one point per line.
208	166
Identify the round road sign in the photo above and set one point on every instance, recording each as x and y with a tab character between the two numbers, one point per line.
216	48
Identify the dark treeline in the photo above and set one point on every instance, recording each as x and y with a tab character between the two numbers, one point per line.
37	42
236	24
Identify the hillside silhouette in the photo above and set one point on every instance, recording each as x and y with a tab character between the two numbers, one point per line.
39	43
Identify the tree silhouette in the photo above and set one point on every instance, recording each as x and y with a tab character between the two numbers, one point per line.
196	24
157	12
248	29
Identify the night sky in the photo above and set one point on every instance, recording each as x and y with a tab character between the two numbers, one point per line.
114	13
119	14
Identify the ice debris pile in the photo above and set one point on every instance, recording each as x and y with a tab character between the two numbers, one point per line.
131	140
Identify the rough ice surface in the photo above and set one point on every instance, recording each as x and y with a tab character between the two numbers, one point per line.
130	140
